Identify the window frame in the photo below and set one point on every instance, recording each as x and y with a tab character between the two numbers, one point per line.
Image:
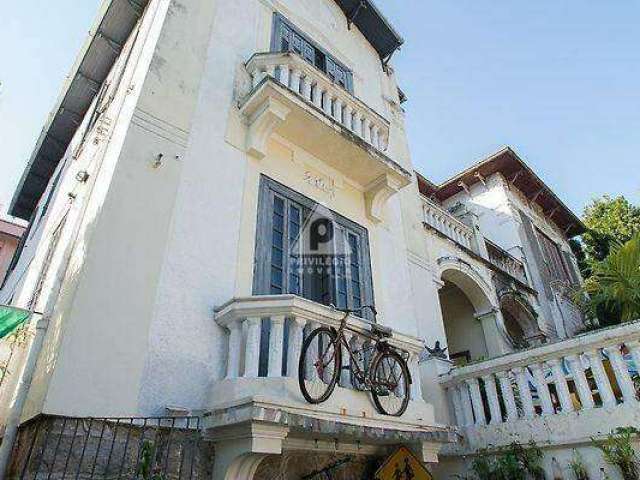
263	255
279	19
556	266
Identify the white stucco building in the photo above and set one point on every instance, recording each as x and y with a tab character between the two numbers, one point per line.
189	144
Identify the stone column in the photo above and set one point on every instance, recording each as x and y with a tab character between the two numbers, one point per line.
561	385
496	346
600	376
276	346
543	389
507	395
430	371
295	80
306	88
284	75
252	349
621	371
492	397
525	392
348	116
580	380
366	130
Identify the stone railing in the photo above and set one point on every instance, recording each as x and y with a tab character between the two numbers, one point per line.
285	320
593	370
319	91
506	262
445	223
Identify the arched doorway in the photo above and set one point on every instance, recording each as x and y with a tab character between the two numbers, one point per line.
463	301
520	320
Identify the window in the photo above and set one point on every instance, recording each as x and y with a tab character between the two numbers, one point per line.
305	249
553	258
286	38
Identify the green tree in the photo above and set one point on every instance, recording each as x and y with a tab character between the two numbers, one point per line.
613	289
609	221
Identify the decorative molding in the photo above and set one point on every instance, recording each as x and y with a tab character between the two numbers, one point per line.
376	195
261	124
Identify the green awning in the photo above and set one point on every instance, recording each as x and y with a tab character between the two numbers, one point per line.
10	319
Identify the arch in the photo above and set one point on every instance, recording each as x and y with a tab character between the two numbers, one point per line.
468	305
520	319
469	280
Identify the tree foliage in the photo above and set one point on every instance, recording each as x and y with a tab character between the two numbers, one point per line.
613	289
609	222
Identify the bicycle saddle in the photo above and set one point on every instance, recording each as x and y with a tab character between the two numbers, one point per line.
380	331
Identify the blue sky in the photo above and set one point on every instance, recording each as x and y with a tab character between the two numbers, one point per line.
557	81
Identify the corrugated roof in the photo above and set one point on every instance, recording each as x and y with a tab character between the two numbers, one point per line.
373	25
114	23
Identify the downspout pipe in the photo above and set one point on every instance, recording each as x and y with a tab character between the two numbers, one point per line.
38	325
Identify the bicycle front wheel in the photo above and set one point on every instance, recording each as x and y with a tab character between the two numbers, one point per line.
391	383
320	364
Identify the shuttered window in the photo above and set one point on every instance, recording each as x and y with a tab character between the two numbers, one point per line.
553	258
290	260
287	38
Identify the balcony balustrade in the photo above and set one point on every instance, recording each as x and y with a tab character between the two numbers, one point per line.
506	262
444	222
290	97
592	372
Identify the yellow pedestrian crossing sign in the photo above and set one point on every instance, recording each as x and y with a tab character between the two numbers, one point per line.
403	465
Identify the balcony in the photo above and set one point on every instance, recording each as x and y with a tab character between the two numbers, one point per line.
292	98
265	335
446	224
506	262
560	393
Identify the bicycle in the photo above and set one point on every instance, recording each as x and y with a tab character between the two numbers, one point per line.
386	375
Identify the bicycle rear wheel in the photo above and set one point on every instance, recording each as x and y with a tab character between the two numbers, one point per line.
320	363
391	383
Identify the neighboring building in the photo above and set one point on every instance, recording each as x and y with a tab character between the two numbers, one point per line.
11	231
170	197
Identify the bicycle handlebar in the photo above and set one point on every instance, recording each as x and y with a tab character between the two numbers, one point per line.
356	310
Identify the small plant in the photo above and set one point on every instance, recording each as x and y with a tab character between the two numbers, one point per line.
577	467
618	450
147	470
512	463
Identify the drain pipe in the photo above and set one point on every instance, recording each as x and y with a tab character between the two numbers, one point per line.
39	324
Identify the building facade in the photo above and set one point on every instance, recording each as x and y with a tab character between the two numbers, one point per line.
191	149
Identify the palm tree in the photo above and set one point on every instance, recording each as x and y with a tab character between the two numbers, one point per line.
615	282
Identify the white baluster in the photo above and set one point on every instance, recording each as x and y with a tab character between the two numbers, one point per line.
271	71
543	389
601	378
366	127
492	397
457	405
235	347
580	381
312	353
621	371
359	119
465	401
476	401
634	350
295	80
561	385
348	116
306	88
276	346
296	337
507	395
374	136
284	75
316	94
525	392
252	349
326	103
345	373
338	106
416	385
256	77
